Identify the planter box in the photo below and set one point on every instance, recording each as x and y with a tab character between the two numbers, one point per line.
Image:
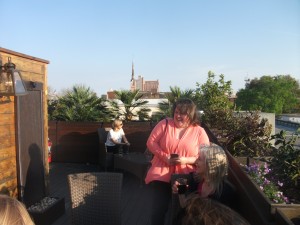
49	215
287	216
253	203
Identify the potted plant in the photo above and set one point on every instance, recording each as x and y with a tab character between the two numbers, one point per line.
46	211
253	203
288	216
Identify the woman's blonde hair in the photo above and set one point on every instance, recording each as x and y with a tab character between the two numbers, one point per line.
13	212
216	166
116	123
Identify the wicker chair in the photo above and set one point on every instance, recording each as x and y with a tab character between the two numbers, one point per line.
106	159
95	198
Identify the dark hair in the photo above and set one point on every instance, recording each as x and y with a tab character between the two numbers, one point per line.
205	211
187	106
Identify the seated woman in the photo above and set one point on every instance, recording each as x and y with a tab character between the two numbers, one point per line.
209	180
115	136
205	211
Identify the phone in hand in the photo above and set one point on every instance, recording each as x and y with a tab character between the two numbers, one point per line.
173	156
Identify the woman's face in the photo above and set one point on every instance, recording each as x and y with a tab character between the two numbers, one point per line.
200	165
181	120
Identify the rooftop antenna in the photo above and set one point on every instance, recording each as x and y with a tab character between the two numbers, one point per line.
247	79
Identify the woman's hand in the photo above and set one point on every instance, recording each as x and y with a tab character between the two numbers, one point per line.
172	161
177	161
175	188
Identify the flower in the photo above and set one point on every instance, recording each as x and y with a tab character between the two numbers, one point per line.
260	174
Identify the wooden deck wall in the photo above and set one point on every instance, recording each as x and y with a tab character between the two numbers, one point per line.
8	171
32	69
77	142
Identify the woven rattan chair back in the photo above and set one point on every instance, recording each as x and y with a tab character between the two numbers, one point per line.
95	198
106	159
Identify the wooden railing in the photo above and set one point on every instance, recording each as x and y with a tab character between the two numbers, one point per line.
77	142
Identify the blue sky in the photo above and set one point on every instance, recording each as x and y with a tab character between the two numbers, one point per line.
94	42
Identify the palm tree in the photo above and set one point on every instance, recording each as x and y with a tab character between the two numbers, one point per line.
131	100
166	106
80	104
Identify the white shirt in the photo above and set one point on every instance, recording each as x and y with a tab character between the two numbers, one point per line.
116	135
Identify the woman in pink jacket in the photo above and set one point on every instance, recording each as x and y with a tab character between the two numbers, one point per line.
175	144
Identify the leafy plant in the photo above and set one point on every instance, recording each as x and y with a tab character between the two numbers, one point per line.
260	174
78	104
241	133
247	134
212	96
275	94
165	107
131	101
286	158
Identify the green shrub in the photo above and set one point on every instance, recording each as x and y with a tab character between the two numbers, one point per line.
286	158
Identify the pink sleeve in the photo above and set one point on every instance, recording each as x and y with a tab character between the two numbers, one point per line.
154	138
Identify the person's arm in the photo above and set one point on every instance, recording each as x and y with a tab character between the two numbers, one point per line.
126	142
202	139
185	160
183	198
153	141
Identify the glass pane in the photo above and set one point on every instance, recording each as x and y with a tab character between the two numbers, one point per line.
6	87
19	86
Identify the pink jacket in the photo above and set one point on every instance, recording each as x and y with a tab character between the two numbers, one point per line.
162	142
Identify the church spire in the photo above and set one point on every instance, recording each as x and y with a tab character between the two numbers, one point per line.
132	72
132	81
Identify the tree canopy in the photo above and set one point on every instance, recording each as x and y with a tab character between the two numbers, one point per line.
212	97
274	94
165	107
131	101
78	104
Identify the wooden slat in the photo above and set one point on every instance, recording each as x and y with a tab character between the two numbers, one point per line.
6	152
6	118
9	187
7	105
10	53
7	136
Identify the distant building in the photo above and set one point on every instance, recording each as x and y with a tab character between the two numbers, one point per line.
148	88
232	96
142	85
294	118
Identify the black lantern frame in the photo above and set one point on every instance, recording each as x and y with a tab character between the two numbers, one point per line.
11	83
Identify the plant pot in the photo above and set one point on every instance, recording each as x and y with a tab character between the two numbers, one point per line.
287	216
50	214
253	203
243	160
